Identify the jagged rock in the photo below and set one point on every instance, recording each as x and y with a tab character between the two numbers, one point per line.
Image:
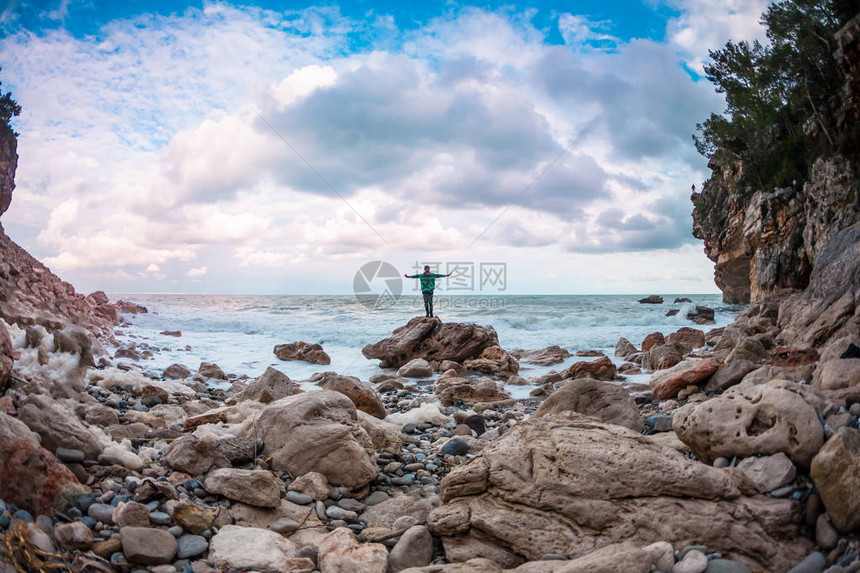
543	488
255	487
313	484
238	450
30	477
211	370
303	351
663	356
58	426
271	385
8	165
601	400
317	431
194	456
624	348
600	369
728	374
250	548
701	315
688	337
432	340
652	340
666	384
652	299
131	307
364	397
494	361
747	420
836	473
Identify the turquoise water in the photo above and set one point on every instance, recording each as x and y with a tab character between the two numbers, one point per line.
239	332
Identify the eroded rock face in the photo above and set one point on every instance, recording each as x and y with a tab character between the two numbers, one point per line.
769	240
747	420
432	340
8	166
606	402
453	390
317	431
495	361
543	488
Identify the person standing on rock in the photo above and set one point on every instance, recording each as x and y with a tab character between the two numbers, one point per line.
428	285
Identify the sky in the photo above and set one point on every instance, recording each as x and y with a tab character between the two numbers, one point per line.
276	147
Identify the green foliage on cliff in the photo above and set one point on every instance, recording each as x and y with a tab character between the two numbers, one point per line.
9	108
780	97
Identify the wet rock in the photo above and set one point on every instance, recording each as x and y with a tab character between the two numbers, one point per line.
432	340
652	340
244	548
764	419
604	401
146	546
652	299
689	337
600	369
318	431
663	356
211	370
494	361
254	487
176	372
836	473
506	502
701	315
303	351
624	348
455	447
544	357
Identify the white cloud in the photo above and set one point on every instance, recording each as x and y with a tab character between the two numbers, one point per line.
130	163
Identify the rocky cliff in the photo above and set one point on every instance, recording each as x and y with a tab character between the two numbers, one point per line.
770	243
29	292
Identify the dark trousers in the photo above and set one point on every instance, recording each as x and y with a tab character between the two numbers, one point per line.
428	302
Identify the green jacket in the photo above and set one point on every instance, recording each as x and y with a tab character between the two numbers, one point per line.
428	282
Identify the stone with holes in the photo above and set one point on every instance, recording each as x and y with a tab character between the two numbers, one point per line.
747	420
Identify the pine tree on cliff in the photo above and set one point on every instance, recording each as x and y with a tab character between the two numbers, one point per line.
9	108
781	96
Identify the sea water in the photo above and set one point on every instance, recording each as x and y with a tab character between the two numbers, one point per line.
239	332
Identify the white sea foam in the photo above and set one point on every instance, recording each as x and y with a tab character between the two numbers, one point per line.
239	332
